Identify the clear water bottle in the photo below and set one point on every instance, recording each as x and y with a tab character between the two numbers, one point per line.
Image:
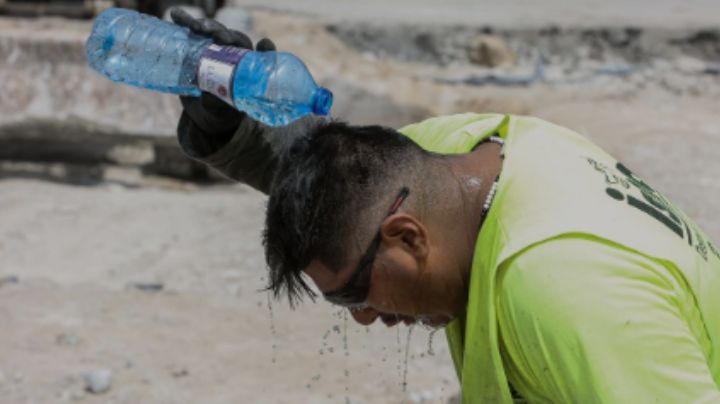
137	49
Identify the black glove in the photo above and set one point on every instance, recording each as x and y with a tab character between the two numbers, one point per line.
209	114
228	140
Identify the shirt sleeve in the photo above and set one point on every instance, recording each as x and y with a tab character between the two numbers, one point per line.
585	321
248	155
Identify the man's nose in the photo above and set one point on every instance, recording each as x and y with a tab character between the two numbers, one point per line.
365	316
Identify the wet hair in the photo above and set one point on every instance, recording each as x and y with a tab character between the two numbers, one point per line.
330	188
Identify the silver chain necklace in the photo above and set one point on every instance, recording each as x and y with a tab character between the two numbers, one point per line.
493	188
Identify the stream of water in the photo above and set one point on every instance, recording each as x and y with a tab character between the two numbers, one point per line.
431	335
407	356
273	330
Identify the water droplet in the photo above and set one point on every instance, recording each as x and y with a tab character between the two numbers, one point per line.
397	328
407	354
430	350
399	346
347	353
345	334
273	330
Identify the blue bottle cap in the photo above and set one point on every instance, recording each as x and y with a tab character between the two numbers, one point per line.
322	101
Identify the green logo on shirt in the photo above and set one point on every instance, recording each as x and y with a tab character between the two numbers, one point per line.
620	181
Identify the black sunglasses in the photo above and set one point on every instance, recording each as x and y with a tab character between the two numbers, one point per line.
355	292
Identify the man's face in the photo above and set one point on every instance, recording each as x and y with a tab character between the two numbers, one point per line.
403	274
402	286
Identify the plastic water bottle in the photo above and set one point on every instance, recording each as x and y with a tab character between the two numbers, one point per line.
137	49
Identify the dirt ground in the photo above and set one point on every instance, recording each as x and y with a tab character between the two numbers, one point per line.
159	282
208	336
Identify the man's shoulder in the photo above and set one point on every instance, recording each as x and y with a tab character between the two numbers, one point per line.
457	133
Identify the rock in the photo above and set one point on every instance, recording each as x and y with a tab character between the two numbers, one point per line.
147	286
5	280
490	51
178	372
98	381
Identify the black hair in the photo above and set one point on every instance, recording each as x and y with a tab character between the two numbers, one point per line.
325	188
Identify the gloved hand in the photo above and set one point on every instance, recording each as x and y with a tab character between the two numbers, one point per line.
213	117
224	138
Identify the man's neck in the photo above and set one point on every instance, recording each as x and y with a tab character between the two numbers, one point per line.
475	174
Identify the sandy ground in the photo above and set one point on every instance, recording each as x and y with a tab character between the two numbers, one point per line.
208	336
71	257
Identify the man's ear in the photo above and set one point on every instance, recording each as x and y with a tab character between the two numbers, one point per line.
407	232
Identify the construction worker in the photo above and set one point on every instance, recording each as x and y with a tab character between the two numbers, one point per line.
556	271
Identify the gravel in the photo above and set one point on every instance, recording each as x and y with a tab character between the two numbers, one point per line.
98	381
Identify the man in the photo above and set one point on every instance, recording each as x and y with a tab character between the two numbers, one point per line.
553	268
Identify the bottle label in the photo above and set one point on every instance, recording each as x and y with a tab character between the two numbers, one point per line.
216	70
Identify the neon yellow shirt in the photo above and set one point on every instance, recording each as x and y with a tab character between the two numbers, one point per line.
586	284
